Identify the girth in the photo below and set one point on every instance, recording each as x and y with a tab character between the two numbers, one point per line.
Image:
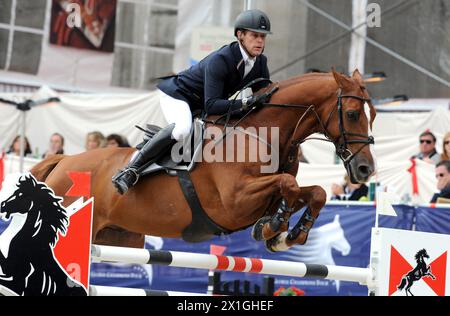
202	227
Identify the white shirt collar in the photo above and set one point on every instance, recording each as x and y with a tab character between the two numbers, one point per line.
245	55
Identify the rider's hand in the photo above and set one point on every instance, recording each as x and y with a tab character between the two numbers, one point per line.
254	100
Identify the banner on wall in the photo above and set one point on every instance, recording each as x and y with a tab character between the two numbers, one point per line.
87	24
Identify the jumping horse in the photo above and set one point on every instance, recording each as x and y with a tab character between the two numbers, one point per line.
234	195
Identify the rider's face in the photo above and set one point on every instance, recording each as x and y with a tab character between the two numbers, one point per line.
253	42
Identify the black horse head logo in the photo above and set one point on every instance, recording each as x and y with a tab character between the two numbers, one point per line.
31	267
420	271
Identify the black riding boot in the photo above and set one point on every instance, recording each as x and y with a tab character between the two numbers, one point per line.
129	176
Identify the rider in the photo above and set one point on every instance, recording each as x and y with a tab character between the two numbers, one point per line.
206	86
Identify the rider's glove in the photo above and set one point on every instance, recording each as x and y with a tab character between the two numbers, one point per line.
254	100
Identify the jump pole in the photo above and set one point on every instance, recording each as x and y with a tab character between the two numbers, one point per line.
229	263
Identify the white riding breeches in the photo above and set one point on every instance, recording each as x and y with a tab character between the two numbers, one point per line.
178	112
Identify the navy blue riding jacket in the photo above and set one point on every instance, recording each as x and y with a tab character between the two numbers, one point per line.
208	85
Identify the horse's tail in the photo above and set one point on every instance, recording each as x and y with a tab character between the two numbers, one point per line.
402	284
43	169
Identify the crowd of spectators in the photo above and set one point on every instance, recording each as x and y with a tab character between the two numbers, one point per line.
94	140
427	153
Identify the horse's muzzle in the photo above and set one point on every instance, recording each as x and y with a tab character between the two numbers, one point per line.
359	171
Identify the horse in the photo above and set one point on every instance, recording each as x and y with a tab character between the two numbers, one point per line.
420	271
235	195
31	268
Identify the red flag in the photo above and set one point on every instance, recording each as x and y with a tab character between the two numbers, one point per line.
81	184
216	250
73	250
413	171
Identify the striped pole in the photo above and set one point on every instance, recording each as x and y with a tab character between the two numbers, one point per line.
96	290
228	263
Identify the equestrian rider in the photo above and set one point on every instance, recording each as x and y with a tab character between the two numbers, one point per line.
206	86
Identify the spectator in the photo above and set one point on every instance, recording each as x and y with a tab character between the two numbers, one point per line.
443	176
428	151
446	147
116	140
56	146
349	191
95	140
301	157
14	148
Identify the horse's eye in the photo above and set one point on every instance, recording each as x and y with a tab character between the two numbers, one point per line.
353	115
20	194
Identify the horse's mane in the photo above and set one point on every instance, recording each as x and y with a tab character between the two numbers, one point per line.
420	254
308	77
305	78
52	215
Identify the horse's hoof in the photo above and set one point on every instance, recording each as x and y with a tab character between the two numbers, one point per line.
277	243
271	243
258	227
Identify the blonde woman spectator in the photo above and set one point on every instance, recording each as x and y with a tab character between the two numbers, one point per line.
446	147
95	140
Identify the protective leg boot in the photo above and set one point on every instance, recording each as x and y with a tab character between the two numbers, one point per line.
151	151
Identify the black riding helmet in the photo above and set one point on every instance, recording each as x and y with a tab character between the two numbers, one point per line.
252	20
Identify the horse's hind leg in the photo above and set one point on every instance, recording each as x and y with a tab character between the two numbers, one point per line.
315	198
408	288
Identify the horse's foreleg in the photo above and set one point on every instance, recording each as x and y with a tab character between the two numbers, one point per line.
315	198
269	227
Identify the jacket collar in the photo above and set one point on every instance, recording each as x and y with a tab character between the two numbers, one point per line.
239	60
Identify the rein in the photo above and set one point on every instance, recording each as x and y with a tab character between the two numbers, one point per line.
341	142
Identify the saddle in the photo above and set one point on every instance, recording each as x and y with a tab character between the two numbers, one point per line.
202	227
191	147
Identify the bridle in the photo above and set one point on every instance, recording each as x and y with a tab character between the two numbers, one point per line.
341	143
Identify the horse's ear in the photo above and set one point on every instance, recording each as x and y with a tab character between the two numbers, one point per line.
357	75
29	178
336	218
342	81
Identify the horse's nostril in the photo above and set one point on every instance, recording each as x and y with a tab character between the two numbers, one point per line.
364	170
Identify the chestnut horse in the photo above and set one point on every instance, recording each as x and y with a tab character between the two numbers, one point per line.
234	195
